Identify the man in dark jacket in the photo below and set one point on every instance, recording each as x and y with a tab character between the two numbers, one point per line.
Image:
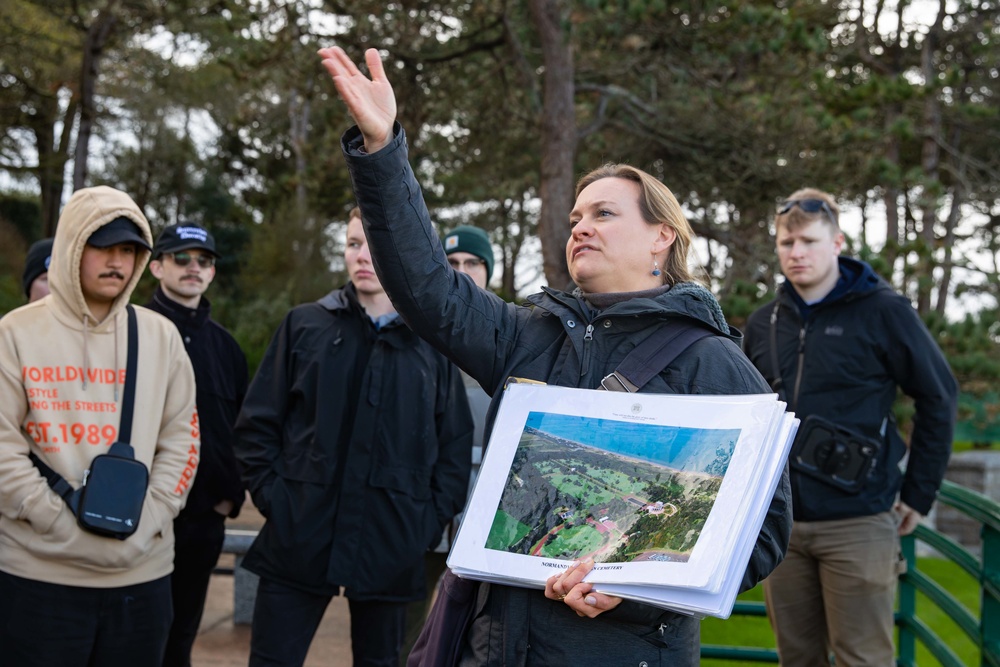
184	263
355	442
837	342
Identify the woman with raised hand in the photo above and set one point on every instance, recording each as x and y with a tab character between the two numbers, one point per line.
628	255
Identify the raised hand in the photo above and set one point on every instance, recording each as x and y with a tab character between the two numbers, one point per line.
370	102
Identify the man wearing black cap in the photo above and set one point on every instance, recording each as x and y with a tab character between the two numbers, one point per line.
35	279
69	596
184	262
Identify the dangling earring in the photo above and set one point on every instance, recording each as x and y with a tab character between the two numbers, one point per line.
656	269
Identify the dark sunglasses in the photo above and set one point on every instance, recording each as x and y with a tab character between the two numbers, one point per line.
184	258
808	206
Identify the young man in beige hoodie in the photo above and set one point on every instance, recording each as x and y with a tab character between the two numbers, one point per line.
69	597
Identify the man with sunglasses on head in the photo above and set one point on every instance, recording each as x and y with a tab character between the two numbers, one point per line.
836	343
184	262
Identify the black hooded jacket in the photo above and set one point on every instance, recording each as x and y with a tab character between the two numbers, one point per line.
560	341
220	371
844	362
356	444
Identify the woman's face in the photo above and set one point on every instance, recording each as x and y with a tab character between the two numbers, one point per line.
611	248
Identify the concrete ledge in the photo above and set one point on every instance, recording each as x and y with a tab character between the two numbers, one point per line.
978	470
237	542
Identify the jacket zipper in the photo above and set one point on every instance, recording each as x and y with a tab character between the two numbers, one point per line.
588	336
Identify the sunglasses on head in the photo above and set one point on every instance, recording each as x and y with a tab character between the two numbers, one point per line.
184	258
808	206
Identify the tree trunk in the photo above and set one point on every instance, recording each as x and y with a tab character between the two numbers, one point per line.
558	139
930	161
51	163
97	38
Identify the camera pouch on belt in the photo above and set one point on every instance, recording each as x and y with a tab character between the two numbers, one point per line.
833	454
114	487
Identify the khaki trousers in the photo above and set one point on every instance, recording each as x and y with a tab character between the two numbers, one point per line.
835	592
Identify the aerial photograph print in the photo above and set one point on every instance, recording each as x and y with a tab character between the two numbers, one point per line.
616	491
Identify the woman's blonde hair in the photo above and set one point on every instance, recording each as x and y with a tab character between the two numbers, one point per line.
658	206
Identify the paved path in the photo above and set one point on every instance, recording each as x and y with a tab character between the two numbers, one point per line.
220	643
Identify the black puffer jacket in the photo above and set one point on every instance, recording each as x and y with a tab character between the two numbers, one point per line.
844	363
559	342
356	446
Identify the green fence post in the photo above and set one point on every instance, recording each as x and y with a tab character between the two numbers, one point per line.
907	606
989	613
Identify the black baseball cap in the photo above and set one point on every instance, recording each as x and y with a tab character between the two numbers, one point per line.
184	236
119	230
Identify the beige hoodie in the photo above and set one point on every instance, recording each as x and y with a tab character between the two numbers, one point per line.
61	376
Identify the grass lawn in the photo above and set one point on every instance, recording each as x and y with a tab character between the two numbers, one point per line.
753	631
505	531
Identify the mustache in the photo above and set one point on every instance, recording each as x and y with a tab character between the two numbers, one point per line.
113	274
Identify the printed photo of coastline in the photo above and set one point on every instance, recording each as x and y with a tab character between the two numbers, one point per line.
614	490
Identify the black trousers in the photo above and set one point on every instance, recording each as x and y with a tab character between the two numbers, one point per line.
198	543
43	625
285	620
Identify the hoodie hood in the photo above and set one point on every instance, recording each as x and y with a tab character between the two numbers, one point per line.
85	212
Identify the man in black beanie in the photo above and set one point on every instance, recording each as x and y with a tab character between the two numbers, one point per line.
470	252
35	279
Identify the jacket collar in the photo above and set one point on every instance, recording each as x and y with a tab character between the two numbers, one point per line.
346	298
688	300
180	315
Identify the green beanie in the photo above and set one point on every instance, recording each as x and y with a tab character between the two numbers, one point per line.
473	241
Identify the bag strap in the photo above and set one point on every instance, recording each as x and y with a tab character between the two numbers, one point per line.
654	354
122	446
55	480
128	397
777	384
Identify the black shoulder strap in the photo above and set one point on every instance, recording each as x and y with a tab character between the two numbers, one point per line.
55	480
653	355
128	397
777	382
121	447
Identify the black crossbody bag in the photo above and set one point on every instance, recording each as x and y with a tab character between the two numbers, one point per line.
114	486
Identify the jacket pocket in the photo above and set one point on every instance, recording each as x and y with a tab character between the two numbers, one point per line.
414	482
305	464
406	505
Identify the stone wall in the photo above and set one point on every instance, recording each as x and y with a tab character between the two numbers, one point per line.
978	470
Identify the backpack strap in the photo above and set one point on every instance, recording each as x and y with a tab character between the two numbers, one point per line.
654	354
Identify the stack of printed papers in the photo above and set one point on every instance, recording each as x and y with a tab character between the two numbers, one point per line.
666	493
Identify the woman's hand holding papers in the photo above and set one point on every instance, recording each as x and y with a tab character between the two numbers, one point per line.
570	587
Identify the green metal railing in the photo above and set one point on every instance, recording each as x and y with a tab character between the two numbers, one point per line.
982	628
